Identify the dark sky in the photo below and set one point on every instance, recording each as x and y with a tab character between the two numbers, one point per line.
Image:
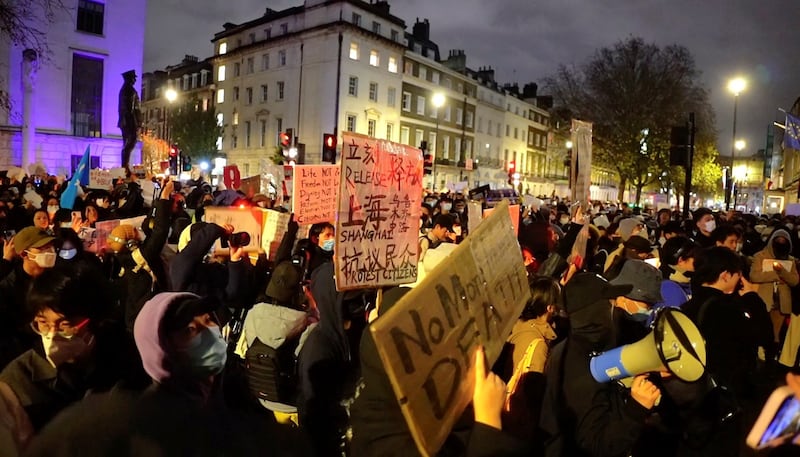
526	40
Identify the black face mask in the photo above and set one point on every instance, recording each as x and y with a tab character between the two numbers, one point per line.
780	249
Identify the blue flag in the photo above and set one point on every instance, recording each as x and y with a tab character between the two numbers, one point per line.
81	174
791	138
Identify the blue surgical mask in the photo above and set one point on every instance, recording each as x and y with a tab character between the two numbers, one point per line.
327	245
208	352
68	254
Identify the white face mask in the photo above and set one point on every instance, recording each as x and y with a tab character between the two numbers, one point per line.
43	259
662	240
446	206
52	209
564	220
710	226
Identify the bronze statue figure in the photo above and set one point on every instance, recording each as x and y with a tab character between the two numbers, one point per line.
130	116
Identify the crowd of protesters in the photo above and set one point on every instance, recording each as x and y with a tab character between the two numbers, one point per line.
166	344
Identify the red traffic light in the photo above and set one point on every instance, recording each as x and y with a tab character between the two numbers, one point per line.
511	166
173	151
329	140
285	140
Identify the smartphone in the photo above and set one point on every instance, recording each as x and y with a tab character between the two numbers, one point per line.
8	234
779	421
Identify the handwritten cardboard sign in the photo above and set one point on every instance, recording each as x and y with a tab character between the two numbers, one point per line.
378	218
427	341
513	212
247	219
100	179
316	193
275	225
96	240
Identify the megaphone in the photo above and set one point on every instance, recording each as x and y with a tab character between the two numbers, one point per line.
674	344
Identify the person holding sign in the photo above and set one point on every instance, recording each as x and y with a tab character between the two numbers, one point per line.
379	428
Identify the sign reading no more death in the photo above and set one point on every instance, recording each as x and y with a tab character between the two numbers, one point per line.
316	193
427	341
377	228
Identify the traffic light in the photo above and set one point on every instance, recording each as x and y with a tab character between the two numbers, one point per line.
173	160
512	171
187	162
286	139
678	146
329	147
427	159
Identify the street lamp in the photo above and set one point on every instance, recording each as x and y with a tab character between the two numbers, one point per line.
737	173
438	101
170	95
739	145
736	86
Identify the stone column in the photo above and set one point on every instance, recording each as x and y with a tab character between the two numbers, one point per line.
30	66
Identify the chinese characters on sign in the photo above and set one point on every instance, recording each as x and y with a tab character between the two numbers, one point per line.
316	193
379	206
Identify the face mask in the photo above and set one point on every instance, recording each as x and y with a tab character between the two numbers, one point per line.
710	226
446	206
460	210
43	259
61	349
208	352
661	241
790	226
564	220
781	250
327	245
52	209
68	254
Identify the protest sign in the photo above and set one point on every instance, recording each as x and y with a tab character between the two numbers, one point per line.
513	211
316	193
275	224
100	179
475	211
96	240
427	341
231	177
251	186
245	219
581	169
377	227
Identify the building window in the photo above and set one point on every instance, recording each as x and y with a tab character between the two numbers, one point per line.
252	38
404	134
281	57
235	118
237	69
376	27
423	73
249	94
247	134
395	35
236	94
194	81
508	130
250	65
351	123
408	67
419	137
87	96
459	116
357	19
263	139
264	62
264	92
352	86
279	125
406	101
432	142
354	51
392	65
281	86
371	126
457	149
268	33
223	48
374	58
234	142
447	113
445	146
203	78
185	83
220	96
435	77
90	16
469	119
420	105
389	131
390	98
284	29
373	92
221	73
516	133
205	105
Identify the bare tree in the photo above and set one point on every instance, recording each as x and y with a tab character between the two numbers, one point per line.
25	23
633	93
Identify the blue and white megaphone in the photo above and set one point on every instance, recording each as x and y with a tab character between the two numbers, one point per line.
674	344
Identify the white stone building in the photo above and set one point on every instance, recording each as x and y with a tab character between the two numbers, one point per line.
73	95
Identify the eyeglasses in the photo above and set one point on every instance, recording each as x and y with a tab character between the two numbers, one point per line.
62	328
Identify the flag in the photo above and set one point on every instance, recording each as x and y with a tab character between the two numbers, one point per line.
81	174
791	138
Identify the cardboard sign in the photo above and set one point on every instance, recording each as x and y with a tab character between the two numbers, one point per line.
316	193
475	211
513	212
377	227
96	240
100	179
275	225
581	160
427	341
251	186
247	219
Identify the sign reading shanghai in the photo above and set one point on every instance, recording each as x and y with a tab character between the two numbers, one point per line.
378	218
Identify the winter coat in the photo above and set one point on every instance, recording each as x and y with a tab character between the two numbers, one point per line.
522	335
768	281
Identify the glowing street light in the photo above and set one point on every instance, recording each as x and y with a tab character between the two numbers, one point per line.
171	95
736	86
739	145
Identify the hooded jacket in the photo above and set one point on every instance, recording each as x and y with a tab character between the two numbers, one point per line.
322	368
773	281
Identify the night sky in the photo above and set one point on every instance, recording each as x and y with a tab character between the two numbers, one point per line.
526	40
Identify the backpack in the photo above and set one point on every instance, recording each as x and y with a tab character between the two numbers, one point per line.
272	373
